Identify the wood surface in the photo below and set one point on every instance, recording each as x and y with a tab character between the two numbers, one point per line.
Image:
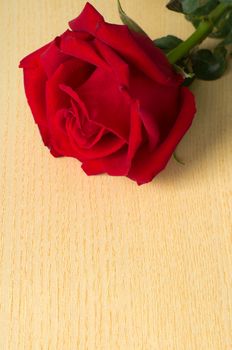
98	263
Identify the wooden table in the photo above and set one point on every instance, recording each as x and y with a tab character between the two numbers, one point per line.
98	263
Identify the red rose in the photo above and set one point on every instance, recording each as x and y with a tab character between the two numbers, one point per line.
107	97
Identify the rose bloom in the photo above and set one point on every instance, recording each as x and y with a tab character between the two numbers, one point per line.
108	97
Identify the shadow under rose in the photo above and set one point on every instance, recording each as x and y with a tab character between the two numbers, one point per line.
209	132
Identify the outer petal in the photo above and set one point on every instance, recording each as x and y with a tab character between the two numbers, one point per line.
114	165
158	57
34	83
52	57
127	44
73	45
159	105
119	68
146	165
33	58
88	20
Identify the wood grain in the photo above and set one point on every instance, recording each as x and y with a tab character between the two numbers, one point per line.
98	263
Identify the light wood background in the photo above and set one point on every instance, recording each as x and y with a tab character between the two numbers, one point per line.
98	263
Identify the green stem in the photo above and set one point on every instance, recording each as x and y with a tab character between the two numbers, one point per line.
203	30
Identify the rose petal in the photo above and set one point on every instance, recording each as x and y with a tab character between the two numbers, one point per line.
121	39
119	163
88	20
108	105
71	44
146	165
34	83
88	133
52	57
73	94
158	57
159	105
114	165
119	67
32	60
107	145
72	73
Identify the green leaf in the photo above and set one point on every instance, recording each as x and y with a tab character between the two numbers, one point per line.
195	20
189	6
132	25
226	1
208	65
223	26
206	9
227	40
196	16
177	159
175	5
167	43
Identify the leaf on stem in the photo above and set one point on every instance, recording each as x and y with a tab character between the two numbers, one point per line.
208	65
226	2
167	43
175	5
130	23
177	159
190	6
200	12
227	40
223	26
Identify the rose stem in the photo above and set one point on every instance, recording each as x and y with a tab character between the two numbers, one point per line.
203	30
